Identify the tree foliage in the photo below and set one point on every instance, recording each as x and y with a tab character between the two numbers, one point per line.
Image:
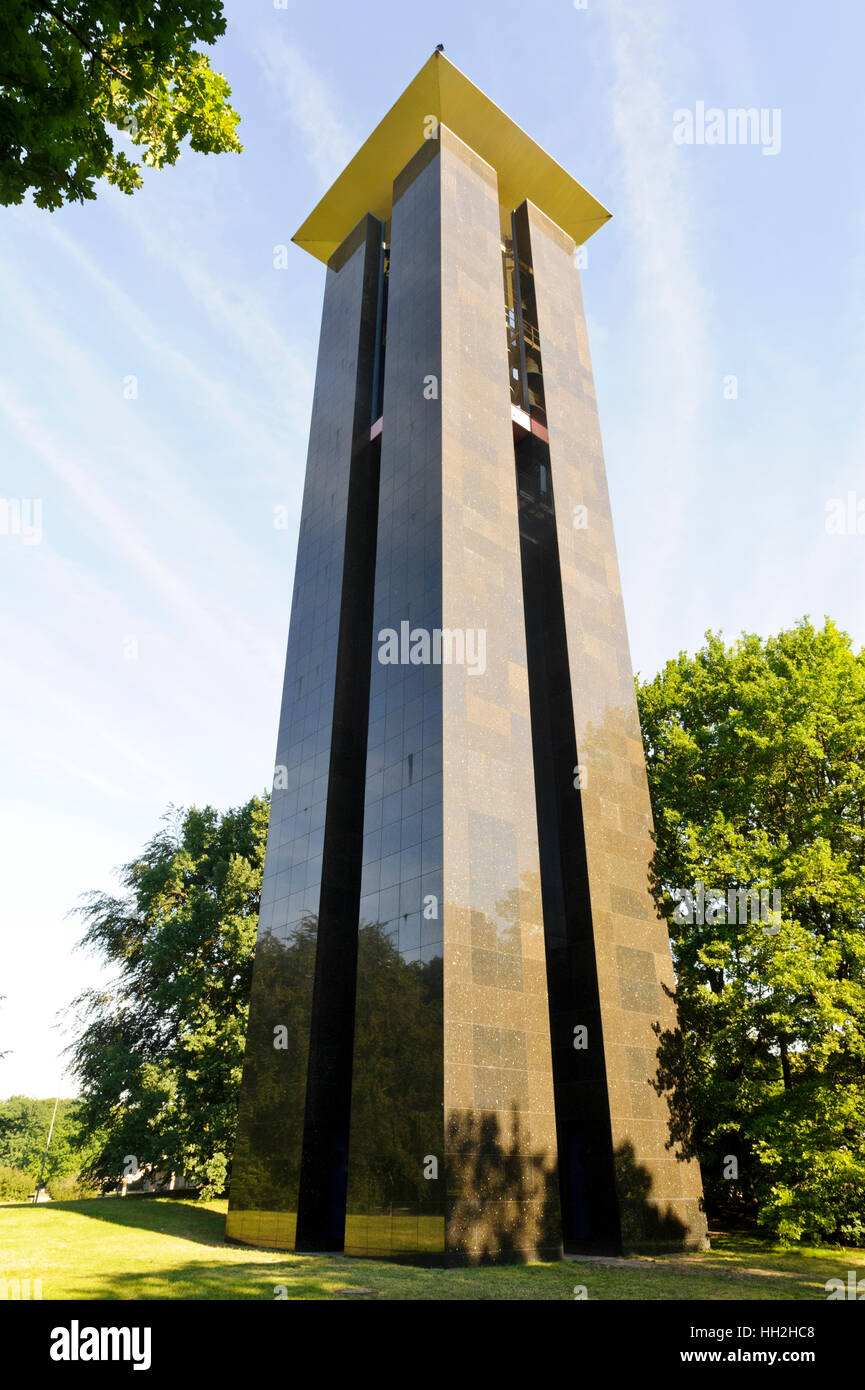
73	70
24	1128
756	764
15	1184
159	1054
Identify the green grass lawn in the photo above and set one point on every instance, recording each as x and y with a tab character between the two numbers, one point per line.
164	1248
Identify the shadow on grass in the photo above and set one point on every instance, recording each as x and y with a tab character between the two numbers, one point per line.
317	1278
337	1280
198	1281
170	1217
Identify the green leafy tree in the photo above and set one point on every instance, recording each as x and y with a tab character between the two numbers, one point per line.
24	1126
159	1053
73	70
756	764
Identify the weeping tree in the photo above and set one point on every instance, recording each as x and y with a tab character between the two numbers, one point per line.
158	1052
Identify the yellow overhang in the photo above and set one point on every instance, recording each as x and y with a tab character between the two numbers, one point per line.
440	90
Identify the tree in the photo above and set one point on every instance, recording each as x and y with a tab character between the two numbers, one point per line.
159	1054
756	762
24	1126
72	69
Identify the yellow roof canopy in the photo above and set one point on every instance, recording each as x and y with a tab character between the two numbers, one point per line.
442	91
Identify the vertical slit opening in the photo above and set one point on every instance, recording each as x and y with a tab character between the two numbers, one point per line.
590	1217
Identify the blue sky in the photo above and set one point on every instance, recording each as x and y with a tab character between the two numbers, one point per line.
143	636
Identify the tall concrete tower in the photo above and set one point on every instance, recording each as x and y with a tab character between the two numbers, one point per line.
461	982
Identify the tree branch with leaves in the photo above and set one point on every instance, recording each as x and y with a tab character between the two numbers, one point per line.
72	72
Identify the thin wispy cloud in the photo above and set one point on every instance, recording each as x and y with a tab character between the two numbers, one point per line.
670	313
663	238
223	401
117	527
307	101
108	457
240	316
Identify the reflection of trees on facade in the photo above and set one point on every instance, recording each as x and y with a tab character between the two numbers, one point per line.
267	1158
397	1070
493	1187
507	925
396	1112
